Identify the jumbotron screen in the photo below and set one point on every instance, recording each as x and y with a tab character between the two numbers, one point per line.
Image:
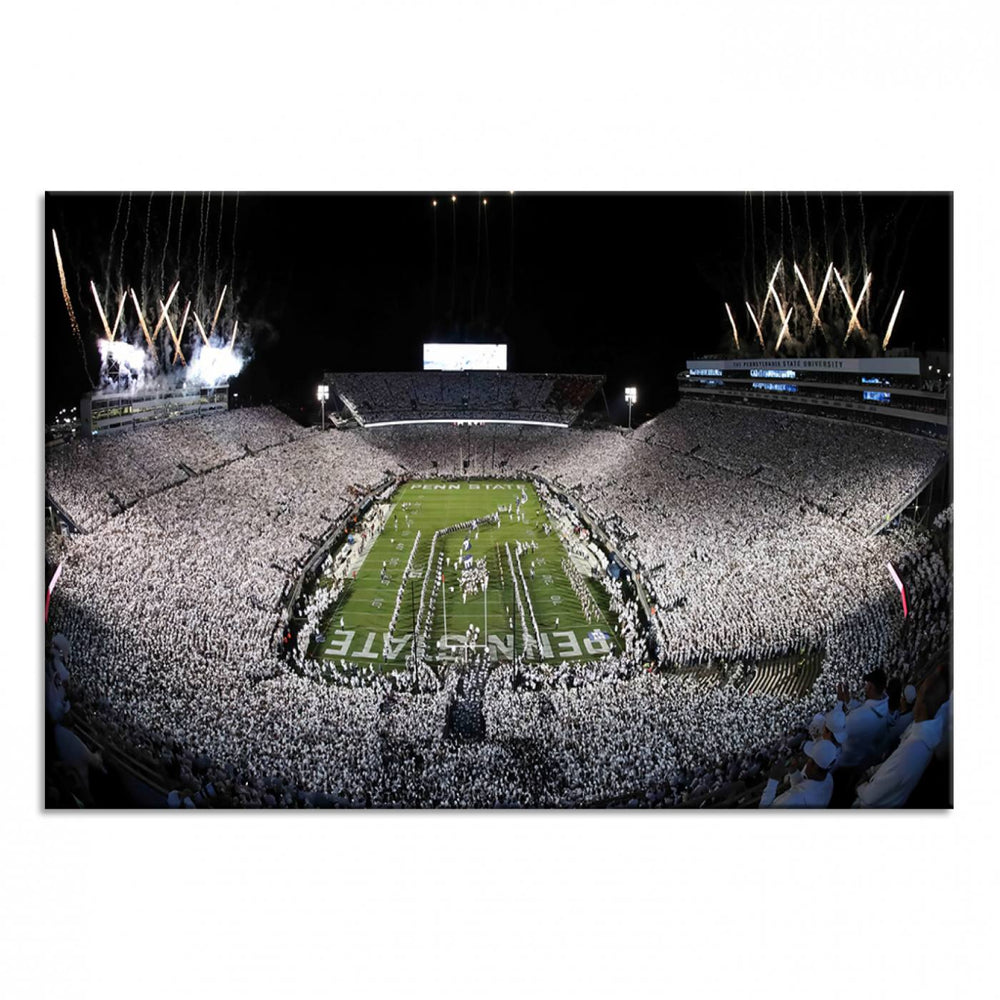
465	357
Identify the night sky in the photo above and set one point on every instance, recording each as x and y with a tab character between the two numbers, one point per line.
625	285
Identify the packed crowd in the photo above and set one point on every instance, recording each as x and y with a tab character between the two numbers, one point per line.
93	479
755	539
482	395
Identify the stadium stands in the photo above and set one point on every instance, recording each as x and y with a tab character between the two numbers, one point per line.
753	541
99	477
390	397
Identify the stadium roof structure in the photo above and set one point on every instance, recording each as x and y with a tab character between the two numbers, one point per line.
381	399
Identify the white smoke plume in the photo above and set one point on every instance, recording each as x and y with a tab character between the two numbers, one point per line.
212	364
122	364
129	366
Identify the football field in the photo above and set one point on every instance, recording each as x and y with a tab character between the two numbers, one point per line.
357	627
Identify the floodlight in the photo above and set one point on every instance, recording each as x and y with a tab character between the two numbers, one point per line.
631	396
322	394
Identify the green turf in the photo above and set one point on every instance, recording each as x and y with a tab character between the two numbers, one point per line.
436	504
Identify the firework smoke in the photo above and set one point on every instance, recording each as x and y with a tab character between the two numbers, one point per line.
212	365
123	355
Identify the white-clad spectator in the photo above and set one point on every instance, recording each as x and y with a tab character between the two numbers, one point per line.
812	787
866	723
894	780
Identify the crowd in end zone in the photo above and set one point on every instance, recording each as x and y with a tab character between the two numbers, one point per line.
751	534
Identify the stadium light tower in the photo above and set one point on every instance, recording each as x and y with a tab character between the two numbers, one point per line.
630	397
322	394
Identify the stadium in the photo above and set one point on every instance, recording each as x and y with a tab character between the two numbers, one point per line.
461	583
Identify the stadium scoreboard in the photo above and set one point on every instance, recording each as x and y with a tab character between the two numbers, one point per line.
465	357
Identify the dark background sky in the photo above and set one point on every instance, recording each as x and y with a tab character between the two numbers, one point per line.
625	285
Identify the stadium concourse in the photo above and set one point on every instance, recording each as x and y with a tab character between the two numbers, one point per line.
751	532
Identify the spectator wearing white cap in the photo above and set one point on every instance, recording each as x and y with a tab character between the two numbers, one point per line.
812	788
830	726
893	781
834	727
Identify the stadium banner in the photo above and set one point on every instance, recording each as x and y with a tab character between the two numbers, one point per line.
51	587
870	366
899	585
